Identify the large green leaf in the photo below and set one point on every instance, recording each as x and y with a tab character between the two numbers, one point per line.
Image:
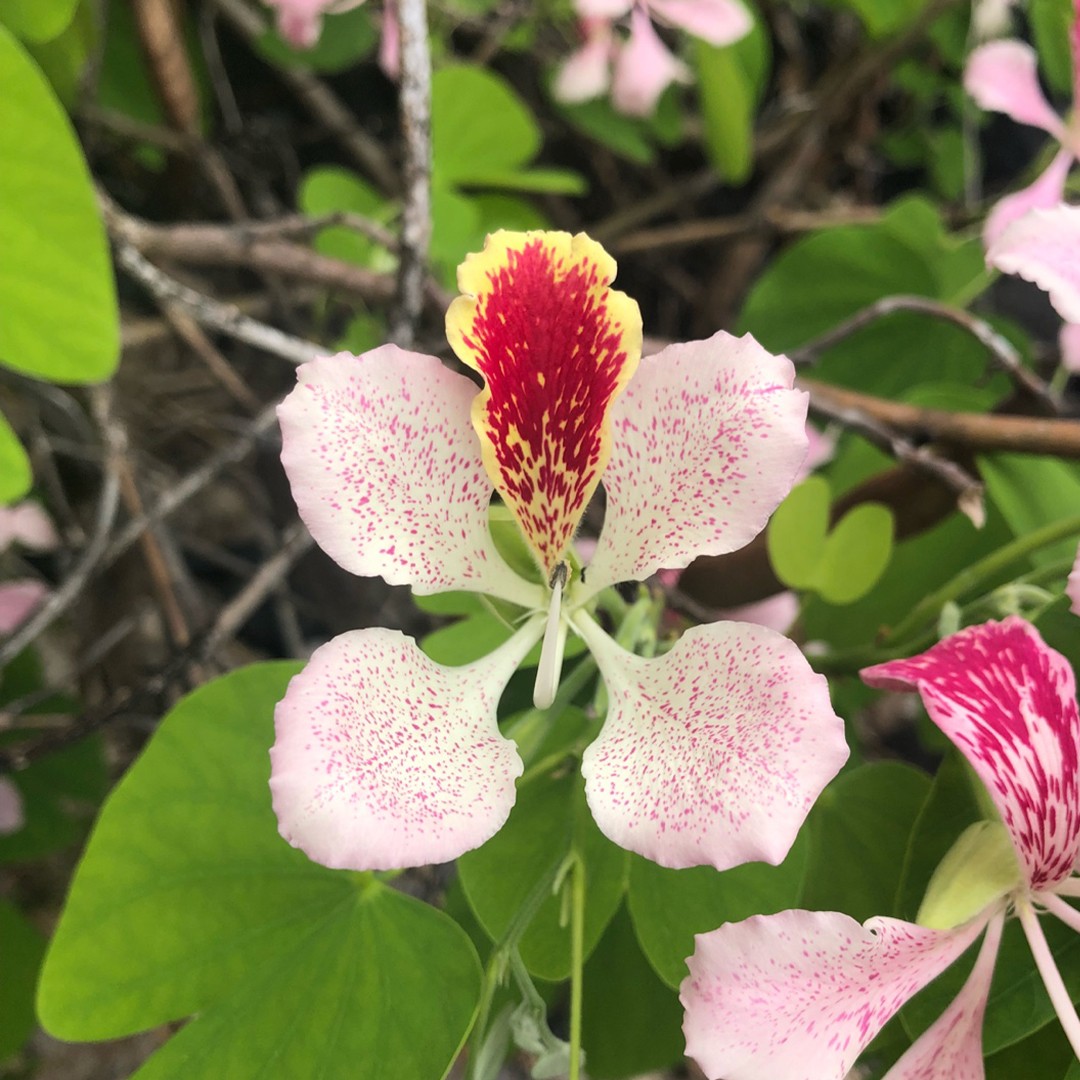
670	906
58	316
730	80
549	821
631	1022
859	832
37	20
333	190
797	530
188	901
15	473
856	553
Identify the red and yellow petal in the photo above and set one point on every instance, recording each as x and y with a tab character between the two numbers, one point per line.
555	346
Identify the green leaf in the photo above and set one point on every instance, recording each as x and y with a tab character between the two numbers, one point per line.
37	20
546	180
58	315
631	1022
333	190
478	124
859	832
549	821
188	901
730	80
1046	1053
856	554
64	58
883	18
1032	491
670	906
15	473
796	536
821	280
346	39
623	135
22	948
1051	23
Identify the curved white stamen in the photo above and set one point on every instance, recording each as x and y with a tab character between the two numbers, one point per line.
551	652
1051	977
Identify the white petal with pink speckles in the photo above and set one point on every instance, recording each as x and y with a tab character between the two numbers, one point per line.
1003	76
799	995
713	753
1008	702
385	759
1044	247
1046	191
706	441
386	471
951	1048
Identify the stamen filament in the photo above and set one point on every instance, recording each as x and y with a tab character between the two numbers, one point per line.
1065	912
551	651
1051	977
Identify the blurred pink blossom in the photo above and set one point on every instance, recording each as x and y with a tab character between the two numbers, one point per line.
27	524
300	22
18	599
643	65
12	817
1072	589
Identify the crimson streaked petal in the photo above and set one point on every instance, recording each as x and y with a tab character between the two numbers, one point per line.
799	995
385	759
386	472
951	1048
555	346
1008	702
707	441
713	753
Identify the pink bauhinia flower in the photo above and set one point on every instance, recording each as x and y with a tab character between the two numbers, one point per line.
300	22
710	754
27	524
1002	76
644	66
800	994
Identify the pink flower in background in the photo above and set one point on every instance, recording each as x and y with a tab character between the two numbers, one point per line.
799	995
643	65
1072	588
12	815
27	524
300	22
1002	76
18	599
710	754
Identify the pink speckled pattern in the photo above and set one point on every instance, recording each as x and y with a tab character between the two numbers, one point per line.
706	442
18	600
1045	192
1003	76
951	1048
799	995
385	759
386	472
713	753
1044	247
1008	702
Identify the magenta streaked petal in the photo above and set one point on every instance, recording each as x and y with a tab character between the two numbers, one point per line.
713	753
18	599
385	759
951	1048
706	442
719	22
1003	76
799	995
386	471
1045	192
1043	247
1008	702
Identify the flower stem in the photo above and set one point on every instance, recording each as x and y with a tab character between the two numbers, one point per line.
978	573
1051	977
577	962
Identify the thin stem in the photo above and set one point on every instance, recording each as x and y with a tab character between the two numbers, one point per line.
1051	977
577	961
978	572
